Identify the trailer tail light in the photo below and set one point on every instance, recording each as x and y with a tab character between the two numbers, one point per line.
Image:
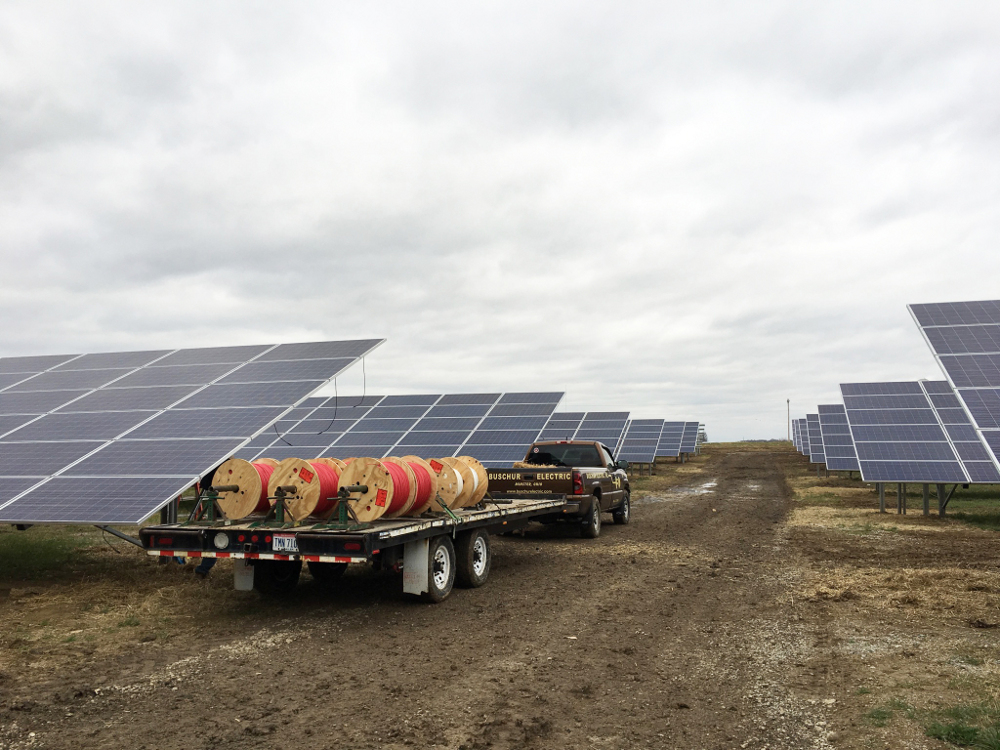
165	541
577	483
352	546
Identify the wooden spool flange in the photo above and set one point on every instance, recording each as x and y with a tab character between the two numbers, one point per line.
370	505
412	497
483	486
235	505
448	487
416	510
468	481
310	493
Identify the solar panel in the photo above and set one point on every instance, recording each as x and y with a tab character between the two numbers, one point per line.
689	439
838	445
477	424
804	436
112	437
641	440
965	339
904	444
966	442
669	445
816	455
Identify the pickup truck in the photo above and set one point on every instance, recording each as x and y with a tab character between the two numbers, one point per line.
586	473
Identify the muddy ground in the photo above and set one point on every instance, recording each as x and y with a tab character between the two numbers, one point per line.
748	605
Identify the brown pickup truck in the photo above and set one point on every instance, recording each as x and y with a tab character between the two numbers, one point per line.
585	472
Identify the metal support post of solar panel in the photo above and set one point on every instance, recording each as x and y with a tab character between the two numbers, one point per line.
495	428
838	447
898	435
965	340
110	438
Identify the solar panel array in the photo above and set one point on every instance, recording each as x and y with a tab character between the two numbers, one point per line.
815	440
958	427
670	439
641	440
495	428
965	339
838	446
897	434
689	438
110	438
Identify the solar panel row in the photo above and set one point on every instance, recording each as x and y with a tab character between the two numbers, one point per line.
110	438
495	428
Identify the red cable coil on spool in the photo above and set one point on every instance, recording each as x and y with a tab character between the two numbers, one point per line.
329	479
400	486
264	471
423	485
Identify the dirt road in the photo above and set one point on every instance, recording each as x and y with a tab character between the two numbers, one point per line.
674	631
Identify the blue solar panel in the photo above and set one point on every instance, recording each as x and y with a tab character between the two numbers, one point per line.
670	439
114	421
483	399
906	444
816	454
31	365
838	446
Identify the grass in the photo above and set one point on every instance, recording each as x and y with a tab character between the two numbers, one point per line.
23	554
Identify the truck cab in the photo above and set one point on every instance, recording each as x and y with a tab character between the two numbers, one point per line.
585	472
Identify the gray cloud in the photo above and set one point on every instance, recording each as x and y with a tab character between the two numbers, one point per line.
686	211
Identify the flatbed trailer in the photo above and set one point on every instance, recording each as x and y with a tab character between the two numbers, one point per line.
434	551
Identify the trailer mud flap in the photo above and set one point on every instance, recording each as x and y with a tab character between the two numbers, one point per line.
242	575
416	567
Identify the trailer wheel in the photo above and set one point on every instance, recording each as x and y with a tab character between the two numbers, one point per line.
591	528
472	551
276	577
326	574
624	513
441	564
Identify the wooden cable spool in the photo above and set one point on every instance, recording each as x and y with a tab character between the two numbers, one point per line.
482	479
428	500
449	484
269	461
468	481
315	483
370	472
252	479
402	505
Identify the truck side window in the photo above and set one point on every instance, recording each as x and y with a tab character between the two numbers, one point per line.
606	456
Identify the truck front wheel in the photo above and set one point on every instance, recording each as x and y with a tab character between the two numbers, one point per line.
441	573
276	577
591	528
624	513
472	550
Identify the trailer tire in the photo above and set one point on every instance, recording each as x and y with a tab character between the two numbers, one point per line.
441	573
276	578
623	515
473	556
591	528
326	573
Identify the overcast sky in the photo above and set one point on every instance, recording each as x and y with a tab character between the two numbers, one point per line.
685	210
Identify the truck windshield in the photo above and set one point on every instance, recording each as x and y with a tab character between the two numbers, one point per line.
564	455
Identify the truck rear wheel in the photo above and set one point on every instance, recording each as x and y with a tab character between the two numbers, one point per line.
276	577
326	573
624	513
441	569
591	528
473	555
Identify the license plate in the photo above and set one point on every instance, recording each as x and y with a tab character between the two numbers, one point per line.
284	543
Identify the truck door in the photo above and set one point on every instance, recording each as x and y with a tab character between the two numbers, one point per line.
612	488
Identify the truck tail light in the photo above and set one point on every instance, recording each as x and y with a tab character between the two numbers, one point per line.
577	483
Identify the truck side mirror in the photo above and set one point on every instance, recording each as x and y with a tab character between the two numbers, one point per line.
622	464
